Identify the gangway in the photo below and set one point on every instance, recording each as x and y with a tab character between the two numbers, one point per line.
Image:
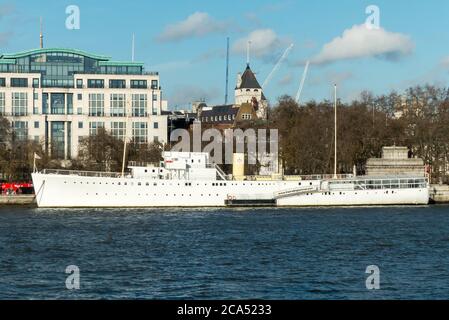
294	192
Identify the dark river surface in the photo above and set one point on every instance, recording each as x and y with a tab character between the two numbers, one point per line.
308	253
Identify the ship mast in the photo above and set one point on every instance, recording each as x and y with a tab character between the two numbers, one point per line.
335	131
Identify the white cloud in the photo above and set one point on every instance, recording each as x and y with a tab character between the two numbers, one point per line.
5	9
264	42
445	62
185	94
361	42
198	24
286	80
5	37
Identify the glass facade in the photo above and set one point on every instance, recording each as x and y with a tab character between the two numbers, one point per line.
154	84
19	103
117	84
69	103
2	103
94	126
30	73
58	66
139	84
19	82
20	130
57	140
95	83
57	103
139	105
96	104
45	103
117	105
140	132
118	130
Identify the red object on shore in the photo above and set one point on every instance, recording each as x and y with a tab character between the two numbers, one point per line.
15	187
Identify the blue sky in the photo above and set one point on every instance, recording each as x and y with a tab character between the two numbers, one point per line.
185	41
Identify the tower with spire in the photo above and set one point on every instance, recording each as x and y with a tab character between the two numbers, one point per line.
248	90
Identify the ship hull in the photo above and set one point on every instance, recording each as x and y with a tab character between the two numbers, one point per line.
71	191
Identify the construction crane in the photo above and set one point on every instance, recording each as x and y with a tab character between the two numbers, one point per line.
277	65
301	85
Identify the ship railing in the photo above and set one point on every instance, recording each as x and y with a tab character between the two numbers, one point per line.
305	177
82	173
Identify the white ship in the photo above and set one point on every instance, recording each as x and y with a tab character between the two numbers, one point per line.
189	180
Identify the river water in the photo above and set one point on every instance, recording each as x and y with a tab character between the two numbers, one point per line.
309	253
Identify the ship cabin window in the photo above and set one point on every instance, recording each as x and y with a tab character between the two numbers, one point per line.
139	184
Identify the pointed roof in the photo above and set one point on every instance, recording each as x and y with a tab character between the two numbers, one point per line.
249	80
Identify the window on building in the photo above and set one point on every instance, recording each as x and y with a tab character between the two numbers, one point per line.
118	130
19	103
2	82
139	84
35	82
79	83
2	103
95	83
45	103
96	104
80	96
36	124
79	110
20	130
94	126
58	139
69	103
154	84
156	125
154	97
140	132
57	103
36	96
155	139
117	105
80	125
19	82
117	84
139	105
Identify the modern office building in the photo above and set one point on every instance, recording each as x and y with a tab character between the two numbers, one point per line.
58	96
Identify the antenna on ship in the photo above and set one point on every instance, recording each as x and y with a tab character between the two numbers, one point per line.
335	133
227	71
